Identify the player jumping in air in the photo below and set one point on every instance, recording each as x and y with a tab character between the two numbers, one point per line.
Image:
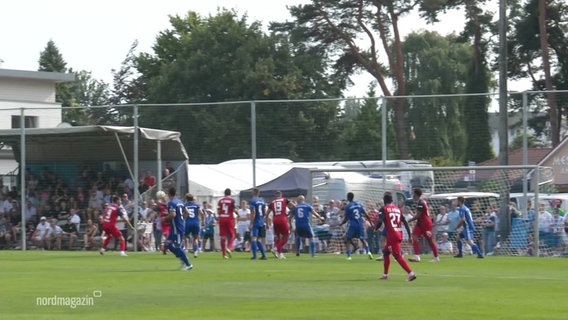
423	227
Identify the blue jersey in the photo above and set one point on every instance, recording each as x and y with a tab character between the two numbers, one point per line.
302	214
259	206
354	212
177	226
193	215
468	223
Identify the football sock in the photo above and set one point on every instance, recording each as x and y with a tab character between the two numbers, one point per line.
400	259
416	246
122	245
253	248
460	247
475	249
434	247
386	263
105	243
298	244
223	245
313	248
367	250
348	252
260	247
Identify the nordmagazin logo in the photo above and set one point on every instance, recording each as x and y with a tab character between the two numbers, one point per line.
67	301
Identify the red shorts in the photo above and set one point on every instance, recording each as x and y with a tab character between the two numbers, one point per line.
422	230
227	227
166	230
111	230
393	245
281	228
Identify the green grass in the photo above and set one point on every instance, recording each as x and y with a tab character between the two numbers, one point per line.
149	286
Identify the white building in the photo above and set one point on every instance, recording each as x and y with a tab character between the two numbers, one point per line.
33	91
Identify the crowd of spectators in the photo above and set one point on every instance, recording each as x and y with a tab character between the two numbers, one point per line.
65	211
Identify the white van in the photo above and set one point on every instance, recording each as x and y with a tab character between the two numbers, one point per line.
483	199
336	185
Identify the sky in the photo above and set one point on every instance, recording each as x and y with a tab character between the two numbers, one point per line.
96	35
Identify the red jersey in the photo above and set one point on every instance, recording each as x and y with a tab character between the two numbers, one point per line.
279	207
393	221
163	212
111	214
226	209
423	214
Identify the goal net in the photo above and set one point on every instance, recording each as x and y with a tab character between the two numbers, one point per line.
503	214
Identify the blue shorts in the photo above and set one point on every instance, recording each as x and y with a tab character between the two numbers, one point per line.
192	229
355	231
467	235
305	232
258	232
174	238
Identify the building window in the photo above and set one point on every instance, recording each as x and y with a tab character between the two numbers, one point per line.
29	122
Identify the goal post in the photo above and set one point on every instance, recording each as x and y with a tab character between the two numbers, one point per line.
486	189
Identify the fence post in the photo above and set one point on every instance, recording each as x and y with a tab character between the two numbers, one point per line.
22	175
135	177
253	140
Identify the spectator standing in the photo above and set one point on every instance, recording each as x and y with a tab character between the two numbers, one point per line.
373	237
243	223
209	231
442	222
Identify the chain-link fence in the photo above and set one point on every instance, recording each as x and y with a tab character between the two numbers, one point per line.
203	148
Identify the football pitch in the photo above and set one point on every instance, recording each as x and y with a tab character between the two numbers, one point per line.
85	285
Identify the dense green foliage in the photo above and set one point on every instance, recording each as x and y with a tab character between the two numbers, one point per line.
225	57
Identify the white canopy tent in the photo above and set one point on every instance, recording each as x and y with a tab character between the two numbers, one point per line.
95	143
208	182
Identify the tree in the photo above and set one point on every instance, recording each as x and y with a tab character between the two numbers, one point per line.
51	60
517	143
89	95
361	130
539	50
477	32
357	34
436	65
224	58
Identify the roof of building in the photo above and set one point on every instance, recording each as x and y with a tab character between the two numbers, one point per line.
515	157
37	75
